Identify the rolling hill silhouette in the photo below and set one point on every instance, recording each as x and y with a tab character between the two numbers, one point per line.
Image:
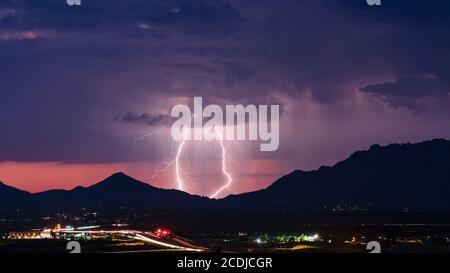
391	178
118	191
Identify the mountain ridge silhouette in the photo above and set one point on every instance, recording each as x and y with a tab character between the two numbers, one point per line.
394	178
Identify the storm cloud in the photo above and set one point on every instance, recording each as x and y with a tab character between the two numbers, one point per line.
408	91
144	118
73	79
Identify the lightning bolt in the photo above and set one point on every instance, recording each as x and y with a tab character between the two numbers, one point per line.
224	171
179	171
143	136
177	164
163	166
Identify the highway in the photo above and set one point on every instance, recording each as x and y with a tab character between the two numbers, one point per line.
170	243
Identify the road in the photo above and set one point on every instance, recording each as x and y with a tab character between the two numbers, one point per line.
171	243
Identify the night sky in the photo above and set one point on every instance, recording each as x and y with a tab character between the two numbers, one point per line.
87	91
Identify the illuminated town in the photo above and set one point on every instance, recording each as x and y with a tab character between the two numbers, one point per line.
97	233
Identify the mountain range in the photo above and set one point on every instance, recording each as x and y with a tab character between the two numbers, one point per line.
395	178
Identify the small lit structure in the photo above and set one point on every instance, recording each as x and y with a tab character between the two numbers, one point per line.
34	234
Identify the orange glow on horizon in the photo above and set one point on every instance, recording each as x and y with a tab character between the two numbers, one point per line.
40	176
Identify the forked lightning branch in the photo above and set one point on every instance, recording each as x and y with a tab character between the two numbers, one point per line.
238	123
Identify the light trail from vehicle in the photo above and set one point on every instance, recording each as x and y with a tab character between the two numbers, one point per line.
152	241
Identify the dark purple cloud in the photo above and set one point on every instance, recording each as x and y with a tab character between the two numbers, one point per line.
144	118
408	91
68	74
